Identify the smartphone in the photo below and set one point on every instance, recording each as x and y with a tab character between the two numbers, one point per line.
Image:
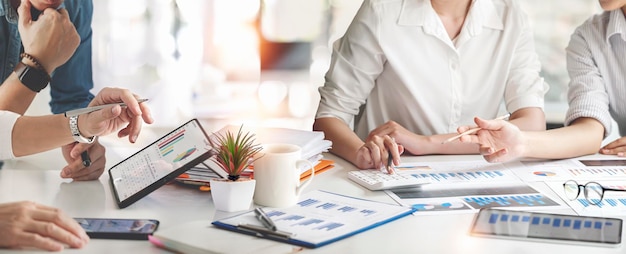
535	226
128	229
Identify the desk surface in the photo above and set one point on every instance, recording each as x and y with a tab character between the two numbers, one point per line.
32	178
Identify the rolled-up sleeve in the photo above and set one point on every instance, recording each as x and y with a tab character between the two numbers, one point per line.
357	61
7	121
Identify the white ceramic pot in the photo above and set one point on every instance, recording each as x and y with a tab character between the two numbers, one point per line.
232	196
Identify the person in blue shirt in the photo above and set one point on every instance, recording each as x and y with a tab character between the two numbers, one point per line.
50	42
70	83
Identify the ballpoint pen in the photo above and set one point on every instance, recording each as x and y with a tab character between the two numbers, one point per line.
87	110
263	218
390	163
85	157
473	130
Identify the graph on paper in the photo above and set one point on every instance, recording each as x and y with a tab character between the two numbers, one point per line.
570	169
613	203
457	172
321	216
472	197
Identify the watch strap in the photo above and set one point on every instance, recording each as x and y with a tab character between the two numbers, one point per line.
76	133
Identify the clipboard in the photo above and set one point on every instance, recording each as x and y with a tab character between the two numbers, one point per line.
319	218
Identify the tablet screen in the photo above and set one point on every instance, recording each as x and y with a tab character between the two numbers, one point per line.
159	163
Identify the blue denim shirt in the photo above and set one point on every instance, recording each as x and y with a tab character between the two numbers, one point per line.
71	82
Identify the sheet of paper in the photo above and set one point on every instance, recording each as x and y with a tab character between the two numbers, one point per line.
570	169
613	203
459	187
469	198
458	171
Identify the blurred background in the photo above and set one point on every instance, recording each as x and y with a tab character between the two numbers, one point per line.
260	62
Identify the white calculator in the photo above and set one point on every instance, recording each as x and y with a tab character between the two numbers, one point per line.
375	179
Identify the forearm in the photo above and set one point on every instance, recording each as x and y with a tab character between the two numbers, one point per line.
529	119
14	96
345	142
434	145
40	133
584	136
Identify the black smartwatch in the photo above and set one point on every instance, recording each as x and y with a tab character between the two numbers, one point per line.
33	78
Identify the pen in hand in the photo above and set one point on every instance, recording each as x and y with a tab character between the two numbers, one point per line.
85	157
390	163
473	130
88	110
263	218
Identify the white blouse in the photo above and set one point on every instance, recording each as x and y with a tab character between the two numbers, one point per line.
7	121
397	62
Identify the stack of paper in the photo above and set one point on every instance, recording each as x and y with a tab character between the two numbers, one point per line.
312	143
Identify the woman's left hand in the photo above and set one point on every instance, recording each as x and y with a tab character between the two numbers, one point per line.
617	147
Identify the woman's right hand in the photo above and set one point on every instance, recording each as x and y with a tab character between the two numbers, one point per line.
51	40
127	121
498	140
374	153
27	224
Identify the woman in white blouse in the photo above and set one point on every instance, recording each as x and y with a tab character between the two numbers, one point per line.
406	74
597	94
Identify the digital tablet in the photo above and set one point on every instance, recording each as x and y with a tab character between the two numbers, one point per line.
158	163
572	229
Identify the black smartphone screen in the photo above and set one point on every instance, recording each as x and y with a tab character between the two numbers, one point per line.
532	226
132	229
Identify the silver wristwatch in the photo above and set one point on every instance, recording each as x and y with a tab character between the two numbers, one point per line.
76	133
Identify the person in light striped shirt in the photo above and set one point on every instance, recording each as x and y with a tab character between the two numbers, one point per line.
596	62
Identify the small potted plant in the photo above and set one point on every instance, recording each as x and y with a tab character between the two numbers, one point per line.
233	153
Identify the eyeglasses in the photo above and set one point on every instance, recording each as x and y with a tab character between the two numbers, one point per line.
594	192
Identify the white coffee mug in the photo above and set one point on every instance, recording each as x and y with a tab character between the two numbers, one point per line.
277	174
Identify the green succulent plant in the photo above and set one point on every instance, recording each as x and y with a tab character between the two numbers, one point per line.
234	153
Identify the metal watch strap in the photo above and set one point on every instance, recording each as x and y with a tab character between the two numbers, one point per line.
31	77
76	133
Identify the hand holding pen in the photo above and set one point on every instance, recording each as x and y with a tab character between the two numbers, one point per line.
472	130
113	109
498	140
86	165
380	152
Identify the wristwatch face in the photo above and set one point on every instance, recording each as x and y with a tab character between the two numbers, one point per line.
33	78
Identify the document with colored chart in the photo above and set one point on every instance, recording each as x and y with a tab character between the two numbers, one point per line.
319	218
612	204
466	187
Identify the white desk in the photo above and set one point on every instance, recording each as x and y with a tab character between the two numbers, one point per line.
37	178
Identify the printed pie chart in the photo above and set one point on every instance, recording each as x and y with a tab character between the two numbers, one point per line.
544	173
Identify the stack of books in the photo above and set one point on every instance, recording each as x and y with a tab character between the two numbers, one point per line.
312	143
